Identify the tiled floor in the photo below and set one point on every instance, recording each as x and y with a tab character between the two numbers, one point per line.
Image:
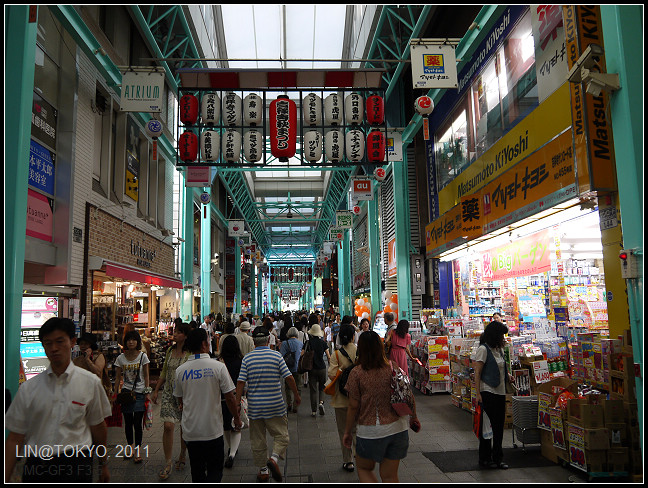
314	452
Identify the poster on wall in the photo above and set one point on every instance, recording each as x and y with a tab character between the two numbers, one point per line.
391	255
40	216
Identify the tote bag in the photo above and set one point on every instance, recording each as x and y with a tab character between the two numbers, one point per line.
402	399
306	360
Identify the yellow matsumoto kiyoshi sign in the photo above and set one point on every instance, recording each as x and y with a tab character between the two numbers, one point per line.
551	117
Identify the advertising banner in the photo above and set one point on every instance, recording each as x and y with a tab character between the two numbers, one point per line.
523	257
41	168
40	216
391	258
550	51
197	176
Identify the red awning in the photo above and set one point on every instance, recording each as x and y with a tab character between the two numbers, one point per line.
117	270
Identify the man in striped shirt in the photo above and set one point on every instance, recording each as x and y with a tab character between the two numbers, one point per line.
264	371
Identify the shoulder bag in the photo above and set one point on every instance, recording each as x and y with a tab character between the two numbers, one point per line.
402	399
330	387
305	363
125	396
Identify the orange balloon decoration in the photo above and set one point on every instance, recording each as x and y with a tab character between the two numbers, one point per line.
387	309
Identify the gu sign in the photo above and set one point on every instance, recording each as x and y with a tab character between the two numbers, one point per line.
142	91
362	190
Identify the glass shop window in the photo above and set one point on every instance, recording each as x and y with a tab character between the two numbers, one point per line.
454	146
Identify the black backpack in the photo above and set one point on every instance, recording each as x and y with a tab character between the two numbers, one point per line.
289	357
342	380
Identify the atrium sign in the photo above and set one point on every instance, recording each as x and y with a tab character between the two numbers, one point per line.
142	91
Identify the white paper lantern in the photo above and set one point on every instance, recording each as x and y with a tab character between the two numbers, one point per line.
353	108
253	109
380	174
231	146
424	105
210	145
312	109
354	145
232	111
334	144
333	109
253	146
210	109
312	147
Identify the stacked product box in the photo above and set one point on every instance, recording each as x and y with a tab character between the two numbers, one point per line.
551	418
587	436
439	378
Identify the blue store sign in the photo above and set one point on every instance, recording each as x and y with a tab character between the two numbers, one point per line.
41	168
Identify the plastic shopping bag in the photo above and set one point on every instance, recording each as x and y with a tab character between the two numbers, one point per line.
487	429
148	418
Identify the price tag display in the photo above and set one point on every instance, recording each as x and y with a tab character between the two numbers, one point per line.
541	371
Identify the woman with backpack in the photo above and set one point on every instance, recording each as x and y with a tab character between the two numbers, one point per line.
317	375
344	357
291	350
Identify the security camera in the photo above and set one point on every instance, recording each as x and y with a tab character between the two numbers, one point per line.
590	57
595	81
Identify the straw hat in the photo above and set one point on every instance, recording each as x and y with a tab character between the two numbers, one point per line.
316	331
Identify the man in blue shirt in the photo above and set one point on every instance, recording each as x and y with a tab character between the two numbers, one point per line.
264	370
292	348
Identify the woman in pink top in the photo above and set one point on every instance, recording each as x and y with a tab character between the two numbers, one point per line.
381	435
400	340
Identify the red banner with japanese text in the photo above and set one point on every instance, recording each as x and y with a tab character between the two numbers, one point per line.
523	257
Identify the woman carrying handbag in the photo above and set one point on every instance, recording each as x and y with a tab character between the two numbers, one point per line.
491	376
133	364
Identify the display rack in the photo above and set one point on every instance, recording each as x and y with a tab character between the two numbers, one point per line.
103	314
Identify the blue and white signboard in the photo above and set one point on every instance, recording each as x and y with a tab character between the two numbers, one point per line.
41	168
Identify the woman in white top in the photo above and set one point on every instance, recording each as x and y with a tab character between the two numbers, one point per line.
133	365
491	375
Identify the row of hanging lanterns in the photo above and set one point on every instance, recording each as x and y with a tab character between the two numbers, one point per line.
287	274
283	128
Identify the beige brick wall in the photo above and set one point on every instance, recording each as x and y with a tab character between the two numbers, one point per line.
110	238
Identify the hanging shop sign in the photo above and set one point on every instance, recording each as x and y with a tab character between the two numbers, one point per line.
40	216
142	91
392	269
433	65
236	228
44	118
283	128
344	219
41	168
362	190
522	257
335	234
197	176
133	159
593	142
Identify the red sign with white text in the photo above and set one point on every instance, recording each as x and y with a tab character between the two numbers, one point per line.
523	257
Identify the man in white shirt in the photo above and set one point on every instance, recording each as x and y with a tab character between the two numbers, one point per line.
246	343
198	386
208	326
56	420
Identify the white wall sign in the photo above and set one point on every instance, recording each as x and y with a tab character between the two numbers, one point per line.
394	146
142	91
433	65
550	51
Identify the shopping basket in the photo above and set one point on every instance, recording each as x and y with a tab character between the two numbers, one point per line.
525	420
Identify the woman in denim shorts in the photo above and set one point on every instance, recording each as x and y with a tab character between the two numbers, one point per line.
385	440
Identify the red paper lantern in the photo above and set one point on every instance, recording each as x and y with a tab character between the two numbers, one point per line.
376	146
188	146
375	110
283	128
188	109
